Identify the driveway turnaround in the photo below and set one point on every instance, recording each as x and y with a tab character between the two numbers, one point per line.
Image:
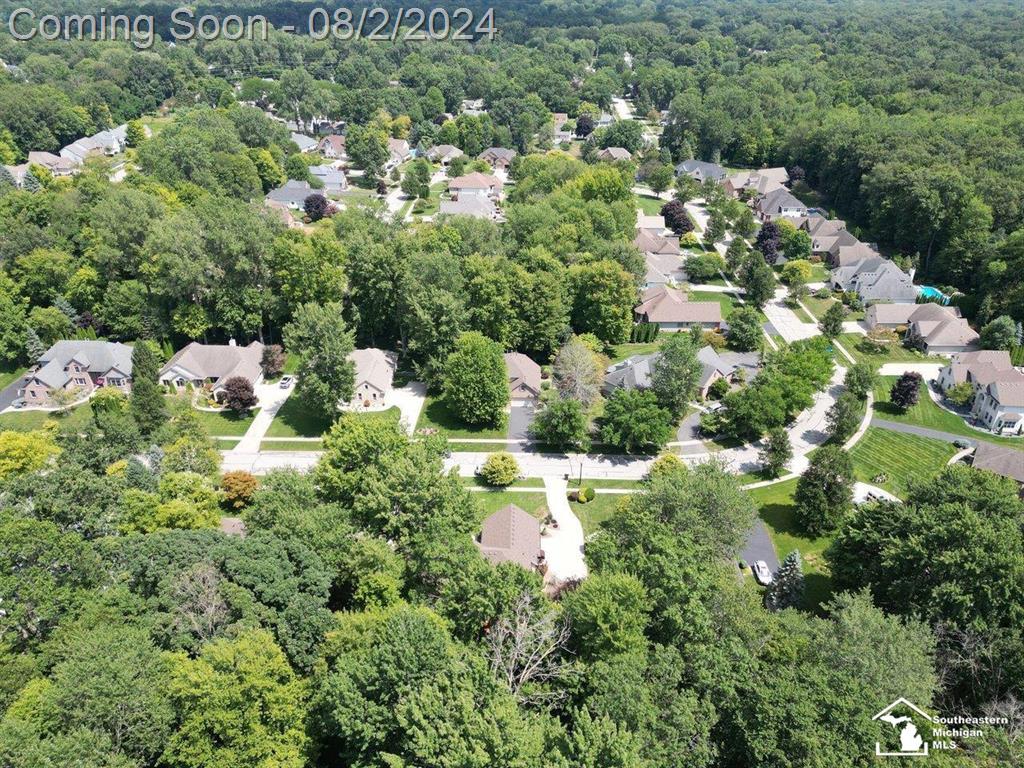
563	544
930	371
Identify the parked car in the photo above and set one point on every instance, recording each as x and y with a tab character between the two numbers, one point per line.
961	443
762	573
287	381
19	403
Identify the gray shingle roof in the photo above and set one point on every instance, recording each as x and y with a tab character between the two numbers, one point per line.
218	362
98	357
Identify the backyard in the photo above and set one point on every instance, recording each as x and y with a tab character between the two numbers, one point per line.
898	458
927	413
777	509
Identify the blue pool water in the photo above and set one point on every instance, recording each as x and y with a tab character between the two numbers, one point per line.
928	292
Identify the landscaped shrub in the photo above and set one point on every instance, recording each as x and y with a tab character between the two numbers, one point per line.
500	469
585	495
718	389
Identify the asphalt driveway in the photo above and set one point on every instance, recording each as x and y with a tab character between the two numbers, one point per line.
519	420
10	393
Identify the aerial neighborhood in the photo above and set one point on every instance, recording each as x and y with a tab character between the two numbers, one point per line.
636	385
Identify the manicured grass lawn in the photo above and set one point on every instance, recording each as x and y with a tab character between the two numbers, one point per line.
818	307
631	485
284	444
457	447
531	501
899	457
651	206
897	353
926	413
10	373
727	300
293	421
621	351
804	317
595	512
433	203
528	482
227	423
27	421
435	415
778	511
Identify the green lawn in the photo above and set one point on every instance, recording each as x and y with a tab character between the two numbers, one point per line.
727	300
651	206
528	482
226	423
621	351
433	203
897	353
629	485
818	307
27	421
804	317
435	415
9	373
777	509
899	457
531	501
284	444
595	512
293	421
928	414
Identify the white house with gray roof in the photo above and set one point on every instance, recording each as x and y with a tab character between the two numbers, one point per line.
700	170
79	365
305	143
292	194
875	279
332	178
211	365
635	372
374	373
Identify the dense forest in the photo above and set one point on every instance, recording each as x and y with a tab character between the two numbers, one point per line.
356	624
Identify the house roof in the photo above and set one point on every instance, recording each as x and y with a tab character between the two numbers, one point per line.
645	222
650	242
98	357
398	147
708	170
374	367
944	333
493	154
335	141
291	191
442	151
330	175
662	304
304	143
713	364
51	161
475	180
511	535
663	268
1009	394
904	314
822	227
218	362
522	372
615	153
1000	459
777	200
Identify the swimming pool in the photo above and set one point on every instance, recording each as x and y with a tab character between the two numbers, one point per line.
930	292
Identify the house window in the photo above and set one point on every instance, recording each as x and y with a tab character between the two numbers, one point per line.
80	382
32	392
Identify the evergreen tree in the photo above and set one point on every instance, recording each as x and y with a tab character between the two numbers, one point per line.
33	344
787	588
30	183
65	306
147	401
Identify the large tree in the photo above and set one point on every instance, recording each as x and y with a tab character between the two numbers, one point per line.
824	493
634	422
676	373
147	400
321	340
474	383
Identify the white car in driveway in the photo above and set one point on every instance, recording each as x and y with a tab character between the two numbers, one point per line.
286	381
762	573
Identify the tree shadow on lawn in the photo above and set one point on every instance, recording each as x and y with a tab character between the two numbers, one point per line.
299	421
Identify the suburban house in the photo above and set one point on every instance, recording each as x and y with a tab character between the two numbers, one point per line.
844	253
875	279
282	213
304	142
511	535
979	369
654	225
399	152
56	165
498	157
333	147
672	310
443	154
604	120
942	336
755	183
635	372
211	365
900	316
560	134
1004	460
662	258
613	154
523	376
700	170
374	372
292	194
827	236
476	183
472	107
780	203
332	178
109	143
999	407
78	365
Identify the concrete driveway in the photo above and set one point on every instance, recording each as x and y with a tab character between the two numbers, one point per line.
409	400
271	398
785	321
520	418
563	546
928	371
